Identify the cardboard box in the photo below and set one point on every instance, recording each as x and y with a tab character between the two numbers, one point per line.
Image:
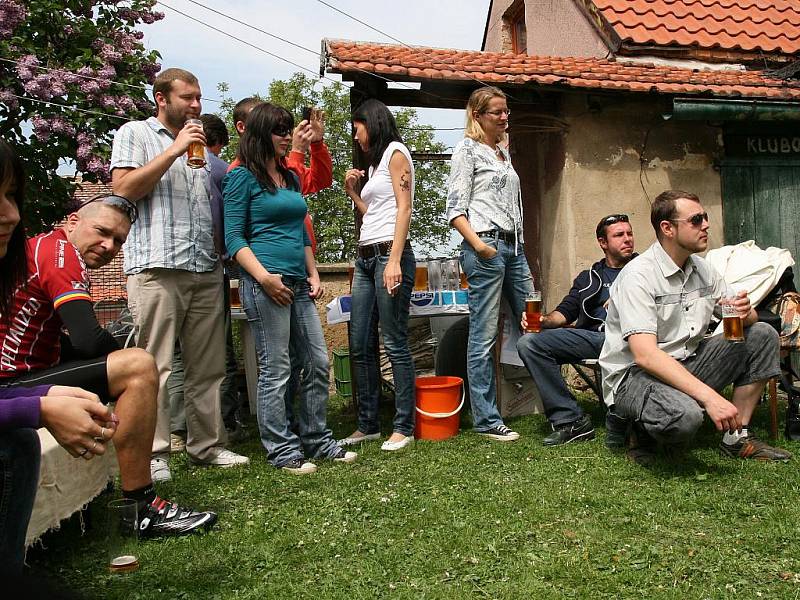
518	397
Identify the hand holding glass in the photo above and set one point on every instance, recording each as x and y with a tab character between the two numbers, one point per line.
533	312
732	320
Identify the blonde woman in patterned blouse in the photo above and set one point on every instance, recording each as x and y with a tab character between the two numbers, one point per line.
484	205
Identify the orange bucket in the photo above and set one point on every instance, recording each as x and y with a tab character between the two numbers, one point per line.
438	407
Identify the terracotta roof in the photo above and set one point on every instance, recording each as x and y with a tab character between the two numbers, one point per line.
771	26
109	282
420	63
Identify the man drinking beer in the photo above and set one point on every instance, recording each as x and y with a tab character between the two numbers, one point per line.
658	368
557	343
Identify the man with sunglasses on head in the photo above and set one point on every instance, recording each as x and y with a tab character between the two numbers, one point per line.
174	270
574	332
659	368
33	352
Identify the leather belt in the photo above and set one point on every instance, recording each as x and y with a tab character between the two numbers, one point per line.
507	236
377	249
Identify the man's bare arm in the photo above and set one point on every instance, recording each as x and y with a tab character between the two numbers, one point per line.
135	184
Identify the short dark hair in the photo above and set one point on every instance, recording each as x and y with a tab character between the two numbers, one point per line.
607	222
14	265
243	108
215	130
163	81
663	207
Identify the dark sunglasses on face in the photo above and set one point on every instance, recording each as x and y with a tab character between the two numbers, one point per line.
120	202
694	220
282	131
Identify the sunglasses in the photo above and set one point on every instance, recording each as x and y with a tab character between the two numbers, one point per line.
611	219
694	220
497	113
281	131
119	202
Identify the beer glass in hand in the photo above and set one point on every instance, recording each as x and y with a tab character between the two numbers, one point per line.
533	312
195	154
732	322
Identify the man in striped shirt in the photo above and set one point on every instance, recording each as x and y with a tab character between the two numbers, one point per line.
174	271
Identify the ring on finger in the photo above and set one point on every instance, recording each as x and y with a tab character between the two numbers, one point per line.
102	433
94	445
82	454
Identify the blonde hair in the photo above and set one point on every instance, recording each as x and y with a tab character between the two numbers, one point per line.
478	102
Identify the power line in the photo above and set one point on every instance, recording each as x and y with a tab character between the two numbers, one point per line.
70	107
146	88
296	45
401	42
260	49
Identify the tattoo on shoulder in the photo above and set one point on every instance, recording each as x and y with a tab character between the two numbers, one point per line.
405	181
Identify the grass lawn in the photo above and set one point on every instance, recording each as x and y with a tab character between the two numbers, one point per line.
465	518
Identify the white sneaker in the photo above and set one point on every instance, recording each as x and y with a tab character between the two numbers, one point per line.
501	433
353	440
299	466
343	456
159	470
224	458
399	445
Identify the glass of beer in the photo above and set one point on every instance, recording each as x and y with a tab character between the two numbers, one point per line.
196	155
533	312
236	299
123	527
732	324
421	277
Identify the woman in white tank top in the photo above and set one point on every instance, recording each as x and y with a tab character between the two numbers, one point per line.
384	274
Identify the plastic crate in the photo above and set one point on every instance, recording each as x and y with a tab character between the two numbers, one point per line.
341	372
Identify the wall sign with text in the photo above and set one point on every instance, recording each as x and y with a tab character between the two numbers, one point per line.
762	145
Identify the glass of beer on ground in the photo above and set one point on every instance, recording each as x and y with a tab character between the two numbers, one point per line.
196	155
123	528
533	312
732	324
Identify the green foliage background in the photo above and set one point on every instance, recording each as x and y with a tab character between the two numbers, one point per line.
331	209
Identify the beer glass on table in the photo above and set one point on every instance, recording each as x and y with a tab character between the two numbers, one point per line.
421	277
533	312
732	322
195	154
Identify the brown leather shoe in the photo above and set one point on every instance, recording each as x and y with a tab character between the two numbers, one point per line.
753	448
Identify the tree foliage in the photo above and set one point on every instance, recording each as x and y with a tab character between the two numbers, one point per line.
331	208
71	72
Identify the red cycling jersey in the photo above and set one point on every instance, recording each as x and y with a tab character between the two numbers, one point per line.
30	337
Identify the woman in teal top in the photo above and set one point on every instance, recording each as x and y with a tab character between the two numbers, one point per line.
265	233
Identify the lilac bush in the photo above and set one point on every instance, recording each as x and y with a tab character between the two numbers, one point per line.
71	72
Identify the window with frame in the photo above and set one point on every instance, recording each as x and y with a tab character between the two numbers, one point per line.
519	32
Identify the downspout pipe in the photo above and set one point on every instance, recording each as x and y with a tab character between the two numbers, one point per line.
702	109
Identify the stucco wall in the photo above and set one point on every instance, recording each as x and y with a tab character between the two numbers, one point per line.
555	28
603	174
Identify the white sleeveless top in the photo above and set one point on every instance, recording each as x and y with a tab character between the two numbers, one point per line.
379	220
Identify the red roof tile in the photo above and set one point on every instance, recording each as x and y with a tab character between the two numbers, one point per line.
420	63
771	26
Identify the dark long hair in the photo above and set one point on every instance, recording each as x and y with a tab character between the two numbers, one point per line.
14	265
381	128
256	149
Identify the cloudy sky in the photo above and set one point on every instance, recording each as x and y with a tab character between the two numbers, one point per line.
215	57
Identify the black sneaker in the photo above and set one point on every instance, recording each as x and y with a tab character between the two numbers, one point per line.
616	431
580	430
161	517
501	433
753	448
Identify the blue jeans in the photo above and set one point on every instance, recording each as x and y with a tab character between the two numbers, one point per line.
275	328
20	455
543	354
505	274
373	304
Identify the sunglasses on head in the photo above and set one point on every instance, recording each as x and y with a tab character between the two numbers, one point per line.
694	220
611	219
119	202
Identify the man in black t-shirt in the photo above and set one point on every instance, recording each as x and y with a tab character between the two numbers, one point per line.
560	342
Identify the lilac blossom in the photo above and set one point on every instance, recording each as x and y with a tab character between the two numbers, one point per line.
12	13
